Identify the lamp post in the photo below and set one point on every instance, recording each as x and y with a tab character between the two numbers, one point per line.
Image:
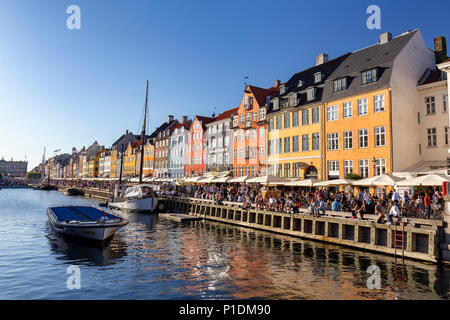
374	163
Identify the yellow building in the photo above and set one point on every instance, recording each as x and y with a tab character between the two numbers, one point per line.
129	161
357	133
149	157
113	166
295	124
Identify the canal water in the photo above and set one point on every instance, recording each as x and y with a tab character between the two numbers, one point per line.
154	258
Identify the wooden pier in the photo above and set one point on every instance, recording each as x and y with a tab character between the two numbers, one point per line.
179	217
421	237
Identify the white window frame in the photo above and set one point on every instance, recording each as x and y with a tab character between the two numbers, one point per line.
363	138
348	109
363	107
333	113
378	103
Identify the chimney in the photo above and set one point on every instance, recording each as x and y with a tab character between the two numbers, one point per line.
276	83
385	37
440	49
184	119
169	118
321	59
126	132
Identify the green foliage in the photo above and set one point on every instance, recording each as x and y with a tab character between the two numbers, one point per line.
353	176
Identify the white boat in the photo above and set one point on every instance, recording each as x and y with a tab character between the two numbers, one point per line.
85	222
137	198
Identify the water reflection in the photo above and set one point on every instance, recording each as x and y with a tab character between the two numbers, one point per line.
91	253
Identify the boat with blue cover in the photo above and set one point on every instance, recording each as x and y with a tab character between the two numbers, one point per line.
85	222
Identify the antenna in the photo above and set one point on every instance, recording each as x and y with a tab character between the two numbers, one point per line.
214	111
245	81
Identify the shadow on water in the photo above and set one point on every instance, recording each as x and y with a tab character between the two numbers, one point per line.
94	253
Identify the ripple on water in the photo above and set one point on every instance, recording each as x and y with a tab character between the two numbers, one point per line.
153	258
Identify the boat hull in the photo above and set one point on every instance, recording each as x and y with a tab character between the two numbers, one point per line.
143	204
93	230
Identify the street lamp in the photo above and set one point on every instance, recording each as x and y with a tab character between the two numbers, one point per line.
374	163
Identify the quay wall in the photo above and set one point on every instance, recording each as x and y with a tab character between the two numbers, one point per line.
422	237
88	192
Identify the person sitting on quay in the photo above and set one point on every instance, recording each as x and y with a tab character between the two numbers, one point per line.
336	205
393	212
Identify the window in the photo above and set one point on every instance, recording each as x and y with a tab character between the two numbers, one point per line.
430	104
315	141
318	77
340	84
278	170
270	146
444	101
279	145
380	166
295	143
333	141
241	171
348	110
254	116
332	113
261	132
369	76
364	168
315	115
227	140
287	120
287	170
293	99
270	169
247	102
261	151
333	169
271	120
241	119
305	117
431	133
254	172
282	89
311	94
348	167
380	137
378	102
363	138
262	114
305	142
278	123
296	170
348	140
276	104
446	135
287	145
247	170
363	107
295	119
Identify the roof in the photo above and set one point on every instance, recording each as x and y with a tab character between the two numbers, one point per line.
225	115
379	56
260	94
162	127
204	120
186	125
124	139
307	78
431	76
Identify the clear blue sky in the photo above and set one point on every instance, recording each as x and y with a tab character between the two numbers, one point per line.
61	88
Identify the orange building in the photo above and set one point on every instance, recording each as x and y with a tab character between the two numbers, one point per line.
195	160
249	134
149	159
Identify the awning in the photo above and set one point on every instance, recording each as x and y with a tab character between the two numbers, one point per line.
239	179
426	180
303	183
381	180
337	182
267	180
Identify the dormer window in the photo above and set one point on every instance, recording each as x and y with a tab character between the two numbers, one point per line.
293	99
311	94
317	77
369	76
247	102
300	83
340	84
276	104
282	89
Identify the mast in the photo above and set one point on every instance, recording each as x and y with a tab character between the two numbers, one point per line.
143	137
121	165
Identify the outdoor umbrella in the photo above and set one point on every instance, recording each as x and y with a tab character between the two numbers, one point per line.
239	179
303	183
427	180
329	183
267	180
381	180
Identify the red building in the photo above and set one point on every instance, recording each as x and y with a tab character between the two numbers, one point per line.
195	161
249	134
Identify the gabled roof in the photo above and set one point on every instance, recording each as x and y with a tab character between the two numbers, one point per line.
260	94
225	115
380	56
204	120
161	128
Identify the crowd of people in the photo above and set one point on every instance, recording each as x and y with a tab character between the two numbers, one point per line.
427	204
7	182
423	204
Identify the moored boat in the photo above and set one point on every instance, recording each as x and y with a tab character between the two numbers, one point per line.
137	198
85	222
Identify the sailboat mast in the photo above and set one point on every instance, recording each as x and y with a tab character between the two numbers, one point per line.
143	137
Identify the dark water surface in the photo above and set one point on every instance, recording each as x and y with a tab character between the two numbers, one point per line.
153	258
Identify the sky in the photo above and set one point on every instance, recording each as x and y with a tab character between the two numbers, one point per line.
62	88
